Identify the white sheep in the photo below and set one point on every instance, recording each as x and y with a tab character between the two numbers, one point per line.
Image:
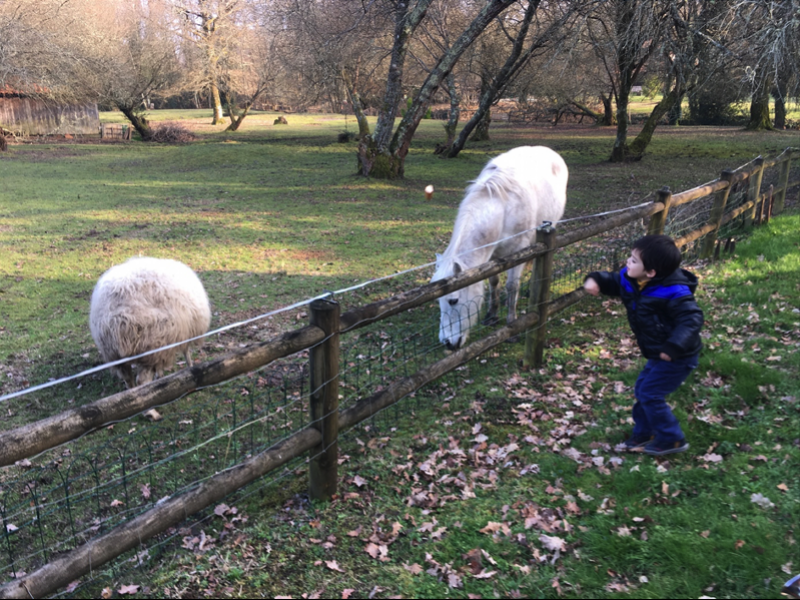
144	304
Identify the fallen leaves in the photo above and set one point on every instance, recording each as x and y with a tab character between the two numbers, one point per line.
553	543
333	566
128	589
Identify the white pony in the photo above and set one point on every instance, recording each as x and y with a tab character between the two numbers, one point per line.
515	193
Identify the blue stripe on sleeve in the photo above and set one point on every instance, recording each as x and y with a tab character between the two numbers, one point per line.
669	292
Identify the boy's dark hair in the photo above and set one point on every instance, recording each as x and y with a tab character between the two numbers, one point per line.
658	253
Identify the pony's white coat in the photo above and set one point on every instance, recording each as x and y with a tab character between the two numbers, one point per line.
515	193
144	304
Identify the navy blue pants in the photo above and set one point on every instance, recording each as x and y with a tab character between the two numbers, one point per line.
651	413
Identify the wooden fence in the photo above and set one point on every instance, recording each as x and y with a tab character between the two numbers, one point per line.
115	131
322	336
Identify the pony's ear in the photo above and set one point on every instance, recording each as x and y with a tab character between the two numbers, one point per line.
457	268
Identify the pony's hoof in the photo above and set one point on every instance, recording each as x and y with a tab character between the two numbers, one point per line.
491	320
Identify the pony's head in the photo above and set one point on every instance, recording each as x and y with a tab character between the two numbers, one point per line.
459	309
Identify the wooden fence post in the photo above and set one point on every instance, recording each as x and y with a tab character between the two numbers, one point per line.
754	191
659	220
324	400
717	212
783	183
542	274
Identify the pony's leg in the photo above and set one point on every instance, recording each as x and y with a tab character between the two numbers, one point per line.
512	290
494	301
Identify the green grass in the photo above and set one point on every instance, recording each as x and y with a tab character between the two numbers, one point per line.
277	210
270	215
641	106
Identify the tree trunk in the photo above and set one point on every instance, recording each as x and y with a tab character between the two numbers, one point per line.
355	101
216	105
599	118
139	123
608	111
780	111
237	121
675	113
378	163
481	133
759	110
452	116
230	103
372	155
621	141
636	149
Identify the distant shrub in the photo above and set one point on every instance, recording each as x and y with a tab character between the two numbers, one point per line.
172	133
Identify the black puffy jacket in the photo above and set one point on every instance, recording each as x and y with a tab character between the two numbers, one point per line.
663	315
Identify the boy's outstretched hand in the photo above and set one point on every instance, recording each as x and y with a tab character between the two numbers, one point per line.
590	285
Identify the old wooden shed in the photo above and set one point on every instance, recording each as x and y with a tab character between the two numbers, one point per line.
27	114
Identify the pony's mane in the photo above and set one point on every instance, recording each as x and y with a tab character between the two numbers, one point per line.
493	182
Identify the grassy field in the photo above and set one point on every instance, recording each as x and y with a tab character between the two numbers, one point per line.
641	107
271	215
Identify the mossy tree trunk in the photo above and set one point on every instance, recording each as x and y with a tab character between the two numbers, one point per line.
139	122
759	109
618	153
636	148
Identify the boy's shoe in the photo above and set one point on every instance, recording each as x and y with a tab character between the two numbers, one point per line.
637	442
662	449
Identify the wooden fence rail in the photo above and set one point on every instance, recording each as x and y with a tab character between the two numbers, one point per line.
322	336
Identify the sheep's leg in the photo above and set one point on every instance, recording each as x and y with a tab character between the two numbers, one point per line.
146	375
187	354
126	372
494	301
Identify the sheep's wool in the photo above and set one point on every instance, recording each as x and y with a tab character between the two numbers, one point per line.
144	304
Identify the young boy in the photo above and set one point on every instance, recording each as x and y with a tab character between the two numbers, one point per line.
666	321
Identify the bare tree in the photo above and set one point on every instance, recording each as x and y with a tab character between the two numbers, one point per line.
133	60
337	50
515	29
768	32
36	55
253	64
383	153
211	25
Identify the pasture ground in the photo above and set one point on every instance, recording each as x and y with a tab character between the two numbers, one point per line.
457	506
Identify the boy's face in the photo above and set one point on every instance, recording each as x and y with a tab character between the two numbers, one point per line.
636	268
